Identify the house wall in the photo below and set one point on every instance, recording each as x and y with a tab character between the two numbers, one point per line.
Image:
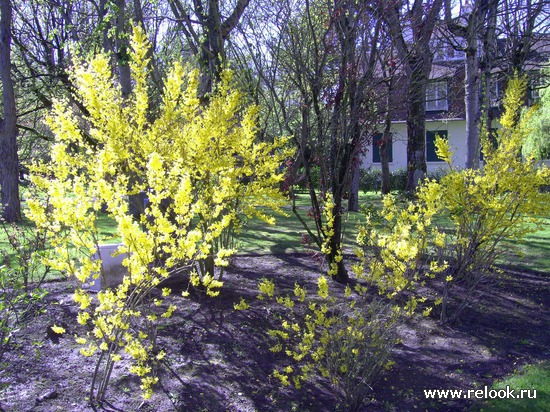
456	132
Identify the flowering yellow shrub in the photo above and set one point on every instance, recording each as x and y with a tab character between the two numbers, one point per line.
452	231
477	211
393	253
201	169
347	342
486	207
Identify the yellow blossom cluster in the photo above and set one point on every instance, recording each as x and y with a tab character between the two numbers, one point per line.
456	227
199	166
328	234
451	229
345	342
392	254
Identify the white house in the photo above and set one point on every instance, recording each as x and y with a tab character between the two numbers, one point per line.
453	129
445	112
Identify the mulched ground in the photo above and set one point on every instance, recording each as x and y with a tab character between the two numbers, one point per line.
219	358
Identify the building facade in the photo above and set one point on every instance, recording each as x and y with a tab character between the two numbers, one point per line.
445	111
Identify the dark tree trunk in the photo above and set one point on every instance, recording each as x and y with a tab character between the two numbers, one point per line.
416	127
9	169
471	99
341	275
337	175
480	25
122	50
416	55
212	49
384	160
486	65
208	46
385	186
353	199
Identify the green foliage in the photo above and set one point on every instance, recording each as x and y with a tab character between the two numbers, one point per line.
12	293
315	173
202	171
21	277
16	303
532	377
26	248
398	180
371	179
537	143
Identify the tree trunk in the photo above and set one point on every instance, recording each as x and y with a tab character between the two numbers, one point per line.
471	100
9	170
416	127
341	275
419	22
122	50
471	89
353	198
385	161
212	54
486	64
208	46
140	20
337	175
385	186
480	25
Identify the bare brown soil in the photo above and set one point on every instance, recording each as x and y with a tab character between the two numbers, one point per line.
219	357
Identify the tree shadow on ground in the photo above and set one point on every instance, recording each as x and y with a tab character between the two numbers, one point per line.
506	327
218	359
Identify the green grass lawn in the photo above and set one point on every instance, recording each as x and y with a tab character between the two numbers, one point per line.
257	237
533	377
284	237
533	253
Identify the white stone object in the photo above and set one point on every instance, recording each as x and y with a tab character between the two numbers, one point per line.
112	269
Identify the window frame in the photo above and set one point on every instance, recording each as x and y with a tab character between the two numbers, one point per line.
536	86
440	101
495	93
431	155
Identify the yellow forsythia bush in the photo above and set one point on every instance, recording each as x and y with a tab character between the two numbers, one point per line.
453	231
491	208
457	228
347	341
201	169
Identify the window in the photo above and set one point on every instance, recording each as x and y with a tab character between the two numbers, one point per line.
431	156
436	96
443	51
376	140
